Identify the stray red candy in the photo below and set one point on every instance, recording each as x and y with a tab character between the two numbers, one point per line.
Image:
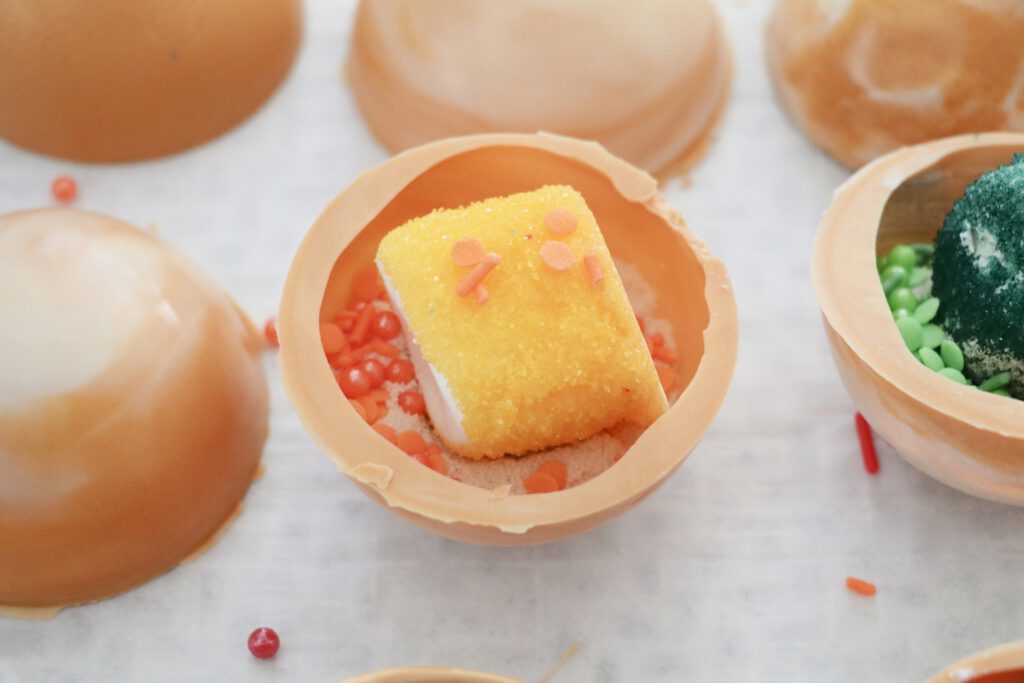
264	643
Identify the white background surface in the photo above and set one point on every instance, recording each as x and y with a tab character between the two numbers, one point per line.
733	571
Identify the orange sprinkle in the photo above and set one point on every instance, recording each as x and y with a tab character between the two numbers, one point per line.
370	406
477	275
433	448
665	355
560	221
667	377
480	294
382	411
640	322
658	339
346	324
362	327
386	349
350	358
861	586
556	470
367	285
558	255
540	482
435	461
386	431
358	408
332	338
270	331
421	458
411	442
379	395
468	252
594	268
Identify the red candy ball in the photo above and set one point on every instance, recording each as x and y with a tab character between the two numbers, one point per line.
412	402
374	371
354	383
400	371
64	189
264	643
386	325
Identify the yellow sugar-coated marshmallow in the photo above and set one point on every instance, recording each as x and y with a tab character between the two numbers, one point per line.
518	323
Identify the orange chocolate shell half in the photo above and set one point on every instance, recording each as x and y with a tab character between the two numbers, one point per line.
693	295
429	674
649	81
864	77
1001	664
123	80
968	439
133	408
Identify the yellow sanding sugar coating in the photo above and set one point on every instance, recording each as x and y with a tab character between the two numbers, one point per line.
551	357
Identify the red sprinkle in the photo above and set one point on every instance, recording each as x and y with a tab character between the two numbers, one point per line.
264	643
270	331
412	402
867	444
64	189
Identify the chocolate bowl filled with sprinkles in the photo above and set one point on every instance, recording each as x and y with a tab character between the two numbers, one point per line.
1002	664
584	372
969	437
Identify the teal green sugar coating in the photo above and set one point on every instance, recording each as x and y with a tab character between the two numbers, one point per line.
978	274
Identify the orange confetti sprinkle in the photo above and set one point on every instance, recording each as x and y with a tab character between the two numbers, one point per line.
658	339
358	408
667	377
593	268
435	461
540	482
382	411
332	338
379	395
560	221
369	407
411	442
665	355
640	322
386	431
477	275
558	255
480	294
468	251
556	470
861	586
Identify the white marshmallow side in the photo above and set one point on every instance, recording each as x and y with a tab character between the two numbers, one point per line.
437	394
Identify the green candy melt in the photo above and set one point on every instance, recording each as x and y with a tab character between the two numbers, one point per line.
904	256
952	356
893	277
902	298
954	375
931	336
996	382
918	276
926	310
911	331
930	359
